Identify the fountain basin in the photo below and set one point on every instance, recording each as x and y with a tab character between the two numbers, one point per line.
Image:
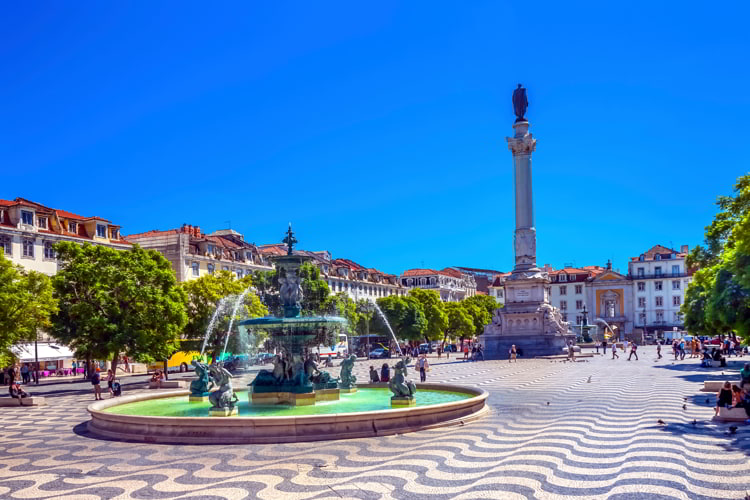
282	429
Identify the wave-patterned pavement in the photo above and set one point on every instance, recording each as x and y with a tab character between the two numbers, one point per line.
556	430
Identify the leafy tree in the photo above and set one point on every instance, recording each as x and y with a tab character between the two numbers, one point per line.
404	314
26	303
484	302
117	301
460	320
479	317
221	289
434	312
365	311
342	305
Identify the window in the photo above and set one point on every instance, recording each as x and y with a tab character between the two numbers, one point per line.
196	269
659	301
657	271
115	234
210	249
579	289
563	305
658	285
657	257
675	270
677	317
5	244
641	286
249	256
676	300
563	290
641	301
565	316
642	318
73	227
660	317
675	284
41	222
579	319
641	272
339	286
101	230
579	304
27	217
211	268
49	252
28	248
563	277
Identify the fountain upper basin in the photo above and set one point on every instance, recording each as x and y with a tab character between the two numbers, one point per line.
277	429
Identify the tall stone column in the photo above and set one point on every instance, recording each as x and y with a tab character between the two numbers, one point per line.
522	145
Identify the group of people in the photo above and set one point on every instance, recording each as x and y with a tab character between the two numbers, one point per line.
13	376
96	380
735	396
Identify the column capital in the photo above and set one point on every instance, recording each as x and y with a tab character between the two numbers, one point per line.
524	144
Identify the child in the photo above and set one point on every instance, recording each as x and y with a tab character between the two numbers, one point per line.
724	397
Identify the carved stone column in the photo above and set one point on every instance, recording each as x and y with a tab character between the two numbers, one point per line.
522	145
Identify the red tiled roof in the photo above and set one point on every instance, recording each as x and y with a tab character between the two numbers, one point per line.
658	250
568	270
454	273
153	232
419	272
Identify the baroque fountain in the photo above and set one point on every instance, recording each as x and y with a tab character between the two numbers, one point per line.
294	401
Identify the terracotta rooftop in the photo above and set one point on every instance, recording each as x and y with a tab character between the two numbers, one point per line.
658	250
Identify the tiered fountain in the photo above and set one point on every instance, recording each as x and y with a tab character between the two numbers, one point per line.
292	402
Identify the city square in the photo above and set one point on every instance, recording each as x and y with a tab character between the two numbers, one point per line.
394	251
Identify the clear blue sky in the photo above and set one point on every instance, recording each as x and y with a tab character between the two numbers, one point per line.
379	130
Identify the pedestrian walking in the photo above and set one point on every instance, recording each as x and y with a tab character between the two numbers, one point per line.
424	367
512	353
480	352
614	351
633	351
25	373
466	352
110	381
658	350
604	346
96	381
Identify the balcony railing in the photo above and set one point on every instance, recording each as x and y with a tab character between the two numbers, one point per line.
656	276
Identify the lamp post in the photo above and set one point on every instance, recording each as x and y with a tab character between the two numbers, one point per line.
36	356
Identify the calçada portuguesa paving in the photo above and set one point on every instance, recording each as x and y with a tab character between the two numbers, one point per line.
595	439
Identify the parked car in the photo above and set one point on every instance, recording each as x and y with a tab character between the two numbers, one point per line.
379	352
424	348
450	348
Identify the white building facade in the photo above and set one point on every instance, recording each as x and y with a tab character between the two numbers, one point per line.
451	284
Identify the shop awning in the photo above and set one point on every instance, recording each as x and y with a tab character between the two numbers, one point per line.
46	351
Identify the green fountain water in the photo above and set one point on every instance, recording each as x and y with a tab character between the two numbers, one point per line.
365	399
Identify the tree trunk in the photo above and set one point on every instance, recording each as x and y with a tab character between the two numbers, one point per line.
114	362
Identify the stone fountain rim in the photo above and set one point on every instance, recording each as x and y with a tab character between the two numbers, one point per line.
278	429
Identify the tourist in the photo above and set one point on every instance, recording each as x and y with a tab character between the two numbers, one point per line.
16	391
745	375
480	352
474	353
682	349
25	373
110	381
439	351
447	353
466	352
512	353
127	363
385	373
625	347
424	367
736	395
73	366
604	346
614	351
724	397
718	357
374	378
633	352
95	381
571	351
658	350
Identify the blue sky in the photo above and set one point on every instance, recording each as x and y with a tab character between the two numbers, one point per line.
378	130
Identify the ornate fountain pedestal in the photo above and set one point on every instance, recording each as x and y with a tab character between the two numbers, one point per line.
282	398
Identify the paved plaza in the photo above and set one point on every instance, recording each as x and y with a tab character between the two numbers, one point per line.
556	430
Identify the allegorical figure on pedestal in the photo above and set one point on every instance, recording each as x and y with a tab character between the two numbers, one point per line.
520	103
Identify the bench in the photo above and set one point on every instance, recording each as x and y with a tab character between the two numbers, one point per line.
166	384
30	401
715	385
733	415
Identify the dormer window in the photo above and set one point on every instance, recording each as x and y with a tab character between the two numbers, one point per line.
41	222
101	230
658	257
641	258
210	249
73	227
115	234
27	217
563	277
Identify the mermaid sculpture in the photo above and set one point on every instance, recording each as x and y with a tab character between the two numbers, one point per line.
224	397
348	381
201	386
399	385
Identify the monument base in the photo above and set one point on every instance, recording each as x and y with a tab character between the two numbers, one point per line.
327	395
223	412
198	399
399	401
348	390
284	398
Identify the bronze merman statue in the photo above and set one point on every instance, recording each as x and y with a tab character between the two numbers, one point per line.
520	103
399	385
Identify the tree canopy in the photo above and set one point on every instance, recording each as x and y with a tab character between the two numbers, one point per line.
434	312
204	295
460	320
117	301
26	303
405	315
718	298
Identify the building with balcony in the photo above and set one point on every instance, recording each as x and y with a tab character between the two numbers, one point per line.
194	253
346	276
28	231
660	279
483	277
452	284
568	291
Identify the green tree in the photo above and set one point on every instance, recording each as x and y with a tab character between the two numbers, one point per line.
223	289
718	298
484	302
460	320
404	314
26	303
342	305
117	301
366	311
481	308
434	312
